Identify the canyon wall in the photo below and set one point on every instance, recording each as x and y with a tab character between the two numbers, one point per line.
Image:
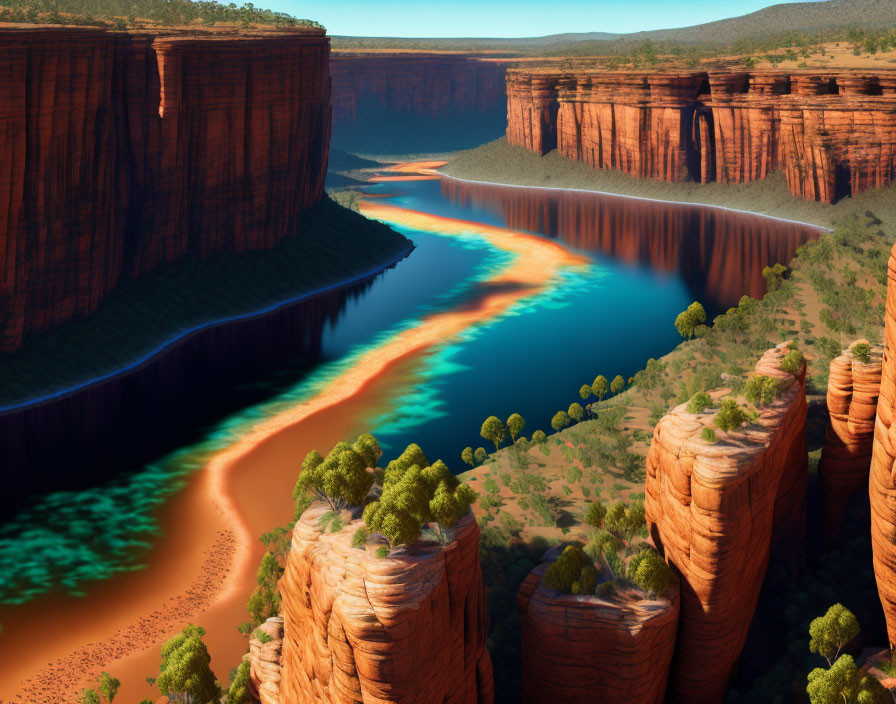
408	628
853	388
882	481
717	510
720	254
402	102
832	133
583	649
121	152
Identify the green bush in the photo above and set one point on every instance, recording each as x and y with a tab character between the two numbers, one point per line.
649	571
709	435
862	352
730	416
571	573
793	361
699	402
762	390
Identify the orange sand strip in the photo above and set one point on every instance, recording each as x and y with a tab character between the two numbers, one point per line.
415	166
416	177
536	263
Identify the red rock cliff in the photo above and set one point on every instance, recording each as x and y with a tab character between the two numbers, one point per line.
120	152
831	133
409	628
853	388
583	649
882	481
717	510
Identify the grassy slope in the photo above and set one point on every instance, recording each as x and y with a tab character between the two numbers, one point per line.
834	293
334	244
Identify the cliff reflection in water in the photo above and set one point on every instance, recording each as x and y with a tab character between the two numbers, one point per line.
720	254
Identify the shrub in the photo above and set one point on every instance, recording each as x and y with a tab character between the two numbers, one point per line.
730	416
709	435
560	421
774	276
761	390
576	412
699	402
689	319
571	573
862	352
359	539
238	692
539	437
793	361
649	571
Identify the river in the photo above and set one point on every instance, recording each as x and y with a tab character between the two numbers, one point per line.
512	299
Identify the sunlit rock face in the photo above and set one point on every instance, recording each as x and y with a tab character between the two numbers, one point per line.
583	649
882	481
122	152
718	510
831	133
853	388
407	628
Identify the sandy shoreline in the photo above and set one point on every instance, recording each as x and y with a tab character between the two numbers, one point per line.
219	561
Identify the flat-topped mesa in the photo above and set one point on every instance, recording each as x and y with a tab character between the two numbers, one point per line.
122	152
882	480
716	509
264	662
853	388
832	133
407	628
583	649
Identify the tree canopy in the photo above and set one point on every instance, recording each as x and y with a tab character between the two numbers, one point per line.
341	478
108	686
617	385
600	387
649	571
688	320
493	429
571	573
239	688
560	421
576	412
730	416
515	425
829	633
761	390
185	670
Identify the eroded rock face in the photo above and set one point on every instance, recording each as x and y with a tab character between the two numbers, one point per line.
122	152
405	628
264	662
882	482
853	388
584	649
718	510
831	133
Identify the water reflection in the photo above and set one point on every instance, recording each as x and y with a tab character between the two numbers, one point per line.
719	254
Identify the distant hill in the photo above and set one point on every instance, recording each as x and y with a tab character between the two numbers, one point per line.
808	18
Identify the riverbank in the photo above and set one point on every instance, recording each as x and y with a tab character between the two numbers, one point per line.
501	163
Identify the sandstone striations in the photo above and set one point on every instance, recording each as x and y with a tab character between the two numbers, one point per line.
853	387
121	152
882	481
582	649
405	628
716	509
831	133
264	662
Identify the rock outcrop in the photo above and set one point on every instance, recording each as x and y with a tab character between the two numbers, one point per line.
405	628
717	510
720	254
120	152
882	480
583	649
832	133
853	388
264	662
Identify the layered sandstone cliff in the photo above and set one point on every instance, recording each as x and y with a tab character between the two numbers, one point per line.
264	662
583	649
121	152
882	481
853	388
405	628
716	510
831	133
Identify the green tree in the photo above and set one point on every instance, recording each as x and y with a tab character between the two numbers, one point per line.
239	688
595	514
689	319
576	412
585	391
493	429
467	455
617	385
560	421
600	387
649	571
844	683
185	671
539	437
829	633
861	351
571	573
480	456
761	390
515	425
730	416
342	478
264	602
108	686
793	362
699	402
774	276
89	696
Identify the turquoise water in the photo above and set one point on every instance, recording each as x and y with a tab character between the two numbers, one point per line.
607	318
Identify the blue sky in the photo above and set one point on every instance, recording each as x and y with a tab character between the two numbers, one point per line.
507	18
